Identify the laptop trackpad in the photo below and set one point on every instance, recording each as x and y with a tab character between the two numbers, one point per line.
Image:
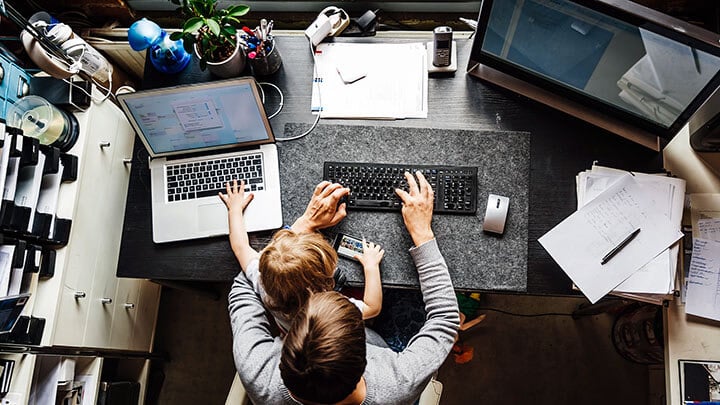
212	217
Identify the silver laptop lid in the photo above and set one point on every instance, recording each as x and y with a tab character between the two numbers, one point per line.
198	117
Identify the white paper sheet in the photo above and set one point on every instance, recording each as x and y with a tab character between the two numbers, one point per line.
6	258
667	193
703	281
709	228
394	85
28	187
579	242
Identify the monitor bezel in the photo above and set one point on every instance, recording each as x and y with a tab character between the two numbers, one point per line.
633	14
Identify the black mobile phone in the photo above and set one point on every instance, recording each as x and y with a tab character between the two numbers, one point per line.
442	46
348	246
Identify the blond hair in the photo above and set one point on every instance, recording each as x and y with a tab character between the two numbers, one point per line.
293	266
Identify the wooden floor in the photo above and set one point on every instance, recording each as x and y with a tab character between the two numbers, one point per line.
540	360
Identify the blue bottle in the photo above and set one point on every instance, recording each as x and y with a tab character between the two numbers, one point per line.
166	55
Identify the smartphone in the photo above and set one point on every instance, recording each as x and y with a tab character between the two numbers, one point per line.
348	246
442	46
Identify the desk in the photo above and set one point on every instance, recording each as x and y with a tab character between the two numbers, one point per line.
561	146
687	337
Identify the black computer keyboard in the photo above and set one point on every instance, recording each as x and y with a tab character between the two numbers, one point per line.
372	185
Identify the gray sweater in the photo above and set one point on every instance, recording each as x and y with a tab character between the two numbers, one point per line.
391	378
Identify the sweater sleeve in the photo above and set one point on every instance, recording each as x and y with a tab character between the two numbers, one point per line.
255	351
428	349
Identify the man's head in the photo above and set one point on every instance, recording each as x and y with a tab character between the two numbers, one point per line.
323	355
293	266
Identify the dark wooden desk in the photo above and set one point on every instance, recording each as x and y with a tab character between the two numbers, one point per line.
561	146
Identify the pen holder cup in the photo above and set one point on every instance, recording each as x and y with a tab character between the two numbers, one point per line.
267	63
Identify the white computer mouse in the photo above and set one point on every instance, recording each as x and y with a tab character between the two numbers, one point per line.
496	213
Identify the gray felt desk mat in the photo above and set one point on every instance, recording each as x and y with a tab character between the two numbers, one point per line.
477	261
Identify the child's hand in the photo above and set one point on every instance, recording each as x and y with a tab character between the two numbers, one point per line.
372	255
235	200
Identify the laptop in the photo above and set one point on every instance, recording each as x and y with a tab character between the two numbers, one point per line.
199	137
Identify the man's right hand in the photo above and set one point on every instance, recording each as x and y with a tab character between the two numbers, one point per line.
323	210
417	208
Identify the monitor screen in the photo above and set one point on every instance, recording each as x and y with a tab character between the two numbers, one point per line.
633	69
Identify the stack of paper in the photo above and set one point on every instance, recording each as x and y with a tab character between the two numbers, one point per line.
384	81
612	204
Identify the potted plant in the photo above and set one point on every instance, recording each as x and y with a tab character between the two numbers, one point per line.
212	35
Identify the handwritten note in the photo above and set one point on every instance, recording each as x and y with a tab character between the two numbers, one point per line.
709	228
667	193
579	242
703	281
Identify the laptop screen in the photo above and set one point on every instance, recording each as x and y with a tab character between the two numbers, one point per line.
198	117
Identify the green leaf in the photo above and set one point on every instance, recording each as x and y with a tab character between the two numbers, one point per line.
229	31
176	35
214	26
188	44
193	24
238	10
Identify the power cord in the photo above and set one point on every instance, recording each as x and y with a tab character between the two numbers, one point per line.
107	90
532	315
282	99
319	111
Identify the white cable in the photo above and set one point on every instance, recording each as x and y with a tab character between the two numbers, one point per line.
108	90
124	90
262	93
317	119
282	98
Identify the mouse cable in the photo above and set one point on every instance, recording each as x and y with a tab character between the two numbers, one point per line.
282	99
319	110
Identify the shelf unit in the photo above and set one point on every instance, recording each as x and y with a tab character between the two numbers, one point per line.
81	304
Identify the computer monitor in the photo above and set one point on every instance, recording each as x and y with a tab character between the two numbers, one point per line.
621	66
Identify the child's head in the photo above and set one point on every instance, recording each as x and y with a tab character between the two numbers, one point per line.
293	266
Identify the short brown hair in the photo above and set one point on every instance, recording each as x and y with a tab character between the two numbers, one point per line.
293	266
323	355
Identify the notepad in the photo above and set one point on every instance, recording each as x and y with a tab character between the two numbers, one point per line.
393	86
579	242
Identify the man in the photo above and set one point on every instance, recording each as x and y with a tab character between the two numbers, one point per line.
328	357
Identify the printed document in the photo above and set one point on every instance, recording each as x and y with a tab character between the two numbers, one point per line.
579	242
703	281
667	193
389	81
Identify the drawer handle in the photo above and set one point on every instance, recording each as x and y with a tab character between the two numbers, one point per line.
104	144
79	294
127	162
129	305
106	301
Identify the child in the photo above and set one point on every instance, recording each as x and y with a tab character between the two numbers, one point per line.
293	266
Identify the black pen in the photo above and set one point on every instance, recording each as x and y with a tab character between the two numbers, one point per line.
619	247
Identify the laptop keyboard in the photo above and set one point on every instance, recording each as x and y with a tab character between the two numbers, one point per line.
186	181
372	185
